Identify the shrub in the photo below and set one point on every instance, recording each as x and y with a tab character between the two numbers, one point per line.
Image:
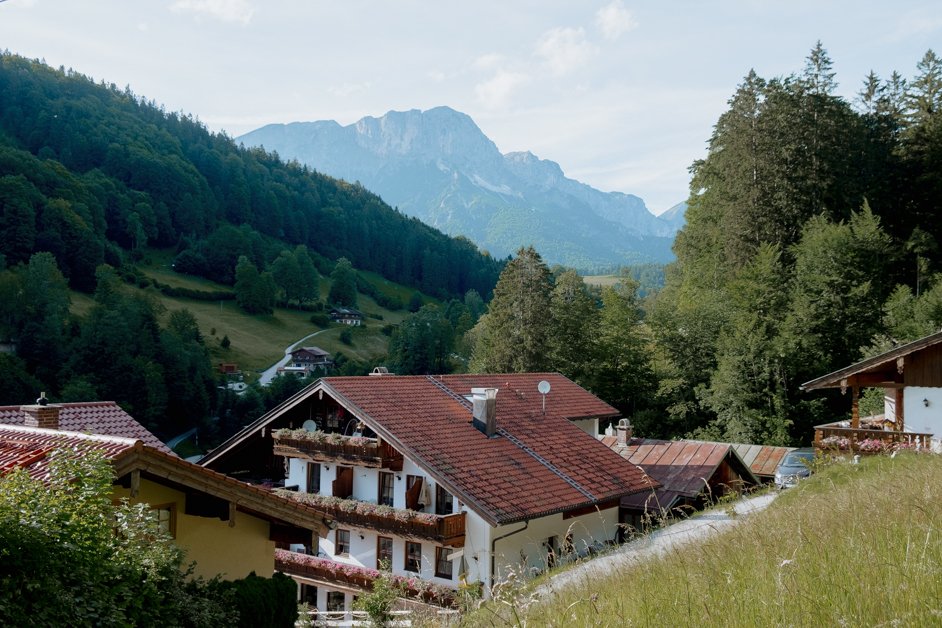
264	602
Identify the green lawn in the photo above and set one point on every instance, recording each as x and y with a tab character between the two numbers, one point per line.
601	280
259	341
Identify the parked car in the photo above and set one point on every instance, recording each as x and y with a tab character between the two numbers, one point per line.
795	465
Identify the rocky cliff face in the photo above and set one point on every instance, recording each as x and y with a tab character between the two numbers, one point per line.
438	166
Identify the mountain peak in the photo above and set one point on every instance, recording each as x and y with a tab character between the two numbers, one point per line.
438	166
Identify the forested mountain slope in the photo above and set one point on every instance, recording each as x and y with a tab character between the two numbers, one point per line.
88	170
92	175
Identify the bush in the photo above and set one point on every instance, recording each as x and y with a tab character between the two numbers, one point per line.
320	319
264	602
346	337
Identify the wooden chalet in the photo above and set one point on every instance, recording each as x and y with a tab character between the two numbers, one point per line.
911	377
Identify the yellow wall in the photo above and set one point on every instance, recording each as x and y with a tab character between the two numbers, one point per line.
217	549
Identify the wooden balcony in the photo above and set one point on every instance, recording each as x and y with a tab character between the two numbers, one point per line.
448	530
835	437
334	448
361	578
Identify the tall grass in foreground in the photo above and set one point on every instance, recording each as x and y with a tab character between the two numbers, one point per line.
856	545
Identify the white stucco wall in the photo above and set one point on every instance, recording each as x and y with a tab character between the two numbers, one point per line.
918	417
523	553
589	426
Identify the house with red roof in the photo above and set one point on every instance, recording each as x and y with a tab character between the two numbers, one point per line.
94	417
227	527
451	481
691	474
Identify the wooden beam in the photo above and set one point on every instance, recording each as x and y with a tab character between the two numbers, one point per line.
900	423
855	408
135	482
232	513
877	380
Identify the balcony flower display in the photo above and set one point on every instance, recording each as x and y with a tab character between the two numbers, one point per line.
872	446
328	502
838	443
364	576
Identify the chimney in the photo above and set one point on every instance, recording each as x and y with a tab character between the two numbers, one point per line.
623	432
42	414
484	401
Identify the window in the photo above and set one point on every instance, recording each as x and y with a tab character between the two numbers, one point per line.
164	517
385	489
444	502
336	601
342	545
413	557
309	594
384	551
313	478
442	564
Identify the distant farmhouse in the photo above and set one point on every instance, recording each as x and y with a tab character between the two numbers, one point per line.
307	360
346	316
452	481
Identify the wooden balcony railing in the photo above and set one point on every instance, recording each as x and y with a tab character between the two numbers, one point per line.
446	530
834	437
333	572
355	450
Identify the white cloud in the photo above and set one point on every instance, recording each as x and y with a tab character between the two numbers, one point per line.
143	27
487	62
225	10
565	49
614	20
495	93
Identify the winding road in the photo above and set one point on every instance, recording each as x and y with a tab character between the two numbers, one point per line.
269	373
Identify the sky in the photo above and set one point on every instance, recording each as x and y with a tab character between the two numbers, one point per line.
622	94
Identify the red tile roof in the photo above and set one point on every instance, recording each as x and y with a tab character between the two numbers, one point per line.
30	448
94	417
566	398
683	467
538	465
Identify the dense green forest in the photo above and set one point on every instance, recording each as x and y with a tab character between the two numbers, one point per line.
90	172
812	241
813	222
91	175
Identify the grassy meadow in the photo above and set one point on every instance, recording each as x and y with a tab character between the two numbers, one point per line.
259	341
856	545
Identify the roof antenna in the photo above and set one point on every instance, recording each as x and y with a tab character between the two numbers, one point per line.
543	387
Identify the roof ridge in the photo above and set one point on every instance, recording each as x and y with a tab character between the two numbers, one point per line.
41	431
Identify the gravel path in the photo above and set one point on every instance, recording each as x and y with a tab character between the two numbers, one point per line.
657	543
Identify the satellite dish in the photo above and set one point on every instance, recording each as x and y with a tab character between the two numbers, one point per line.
309	426
543	387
